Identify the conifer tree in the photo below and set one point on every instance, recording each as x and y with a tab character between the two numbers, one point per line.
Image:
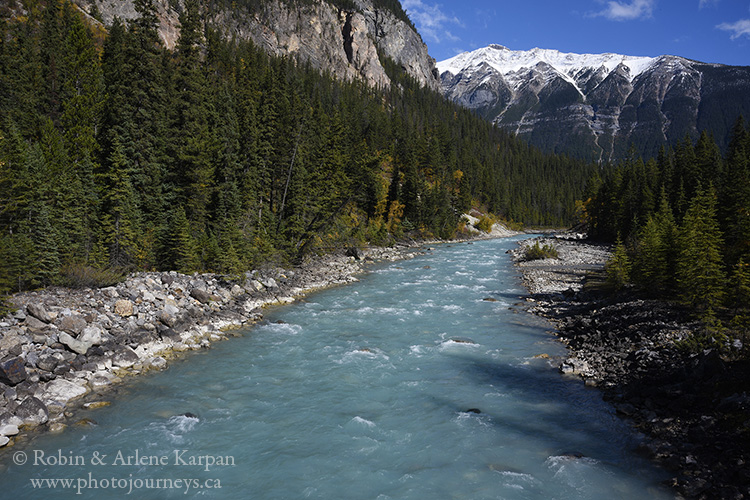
700	275
618	267
119	220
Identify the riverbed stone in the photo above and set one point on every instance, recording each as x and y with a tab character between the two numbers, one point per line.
124	308
8	430
73	324
39	312
200	295
34	324
73	344
13	371
124	357
11	338
32	411
91	335
62	391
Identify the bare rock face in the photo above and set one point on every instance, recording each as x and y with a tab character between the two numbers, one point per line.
344	43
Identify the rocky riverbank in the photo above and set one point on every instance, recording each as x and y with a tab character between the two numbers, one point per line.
692	407
64	348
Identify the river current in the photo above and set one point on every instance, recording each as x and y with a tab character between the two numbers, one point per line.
406	385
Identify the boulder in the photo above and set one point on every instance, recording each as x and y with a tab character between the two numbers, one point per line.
39	312
9	419
91	335
124	357
270	283
48	362
8	430
61	391
73	344
158	363
12	371
167	319
200	295
73	324
11	338
32	412
124	308
34	324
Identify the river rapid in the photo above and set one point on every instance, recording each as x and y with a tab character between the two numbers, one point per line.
422	381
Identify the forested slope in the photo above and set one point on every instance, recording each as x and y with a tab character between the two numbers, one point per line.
116	153
682	222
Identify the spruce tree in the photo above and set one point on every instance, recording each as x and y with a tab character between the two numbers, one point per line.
119	220
618	267
700	274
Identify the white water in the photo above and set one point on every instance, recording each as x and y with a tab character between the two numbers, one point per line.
362	393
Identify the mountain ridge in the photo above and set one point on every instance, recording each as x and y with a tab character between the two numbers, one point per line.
597	106
344	41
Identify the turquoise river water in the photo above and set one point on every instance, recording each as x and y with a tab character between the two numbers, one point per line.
358	392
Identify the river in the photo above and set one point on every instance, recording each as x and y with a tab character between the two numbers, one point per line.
406	385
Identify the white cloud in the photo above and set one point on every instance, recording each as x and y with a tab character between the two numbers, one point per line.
738	29
636	9
705	3
430	20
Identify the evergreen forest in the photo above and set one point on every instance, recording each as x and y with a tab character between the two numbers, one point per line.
681	224
119	155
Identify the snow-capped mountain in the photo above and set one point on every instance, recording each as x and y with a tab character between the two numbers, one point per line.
596	106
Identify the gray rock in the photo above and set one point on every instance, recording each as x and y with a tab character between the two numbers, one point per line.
91	335
34	324
32	412
72	324
200	295
31	358
48	362
8	430
269	283
158	363
74	344
7	418
11	338
167	319
61	391
124	357
13	371
39	312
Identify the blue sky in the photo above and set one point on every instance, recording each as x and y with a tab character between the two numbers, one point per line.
716	31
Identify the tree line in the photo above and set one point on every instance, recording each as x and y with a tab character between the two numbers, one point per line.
116	153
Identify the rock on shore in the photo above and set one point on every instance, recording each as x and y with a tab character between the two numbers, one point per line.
696	421
62	344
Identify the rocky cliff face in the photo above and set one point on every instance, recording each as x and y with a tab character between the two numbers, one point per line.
342	42
598	106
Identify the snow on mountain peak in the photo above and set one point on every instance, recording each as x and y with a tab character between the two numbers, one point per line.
507	61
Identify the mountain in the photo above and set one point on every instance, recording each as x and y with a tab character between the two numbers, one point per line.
598	106
344	40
